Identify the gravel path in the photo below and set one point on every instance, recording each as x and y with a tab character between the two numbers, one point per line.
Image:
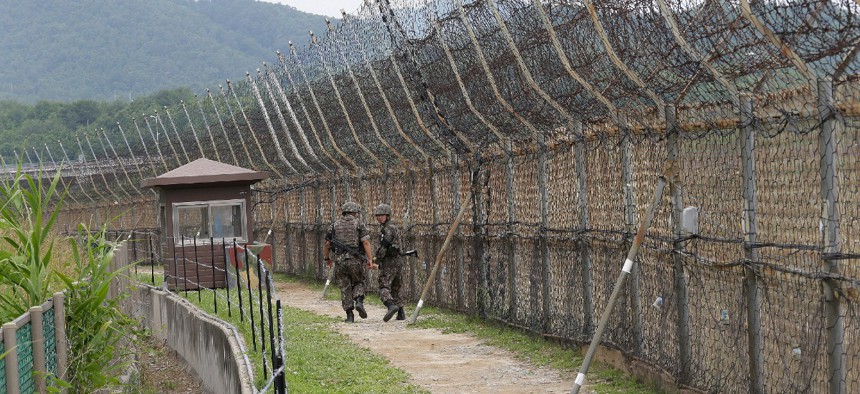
441	363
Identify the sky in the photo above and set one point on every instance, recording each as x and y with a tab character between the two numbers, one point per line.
323	7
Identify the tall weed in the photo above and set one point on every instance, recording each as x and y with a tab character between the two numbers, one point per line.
29	273
27	217
95	324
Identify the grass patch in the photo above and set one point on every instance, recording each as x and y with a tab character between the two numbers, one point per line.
535	350
319	359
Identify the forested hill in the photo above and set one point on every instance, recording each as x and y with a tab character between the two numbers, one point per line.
119	49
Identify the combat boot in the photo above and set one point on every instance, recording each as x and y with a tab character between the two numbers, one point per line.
350	318
400	314
359	306
392	309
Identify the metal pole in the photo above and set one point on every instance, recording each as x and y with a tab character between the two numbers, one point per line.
629	228
751	287
175	266
546	268
281	381
832	242
460	268
212	261
262	316
318	220
236	263
197	270
302	230
511	239
581	152
680	282
479	230
438	260
184	268
226	276
628	265
271	321
250	297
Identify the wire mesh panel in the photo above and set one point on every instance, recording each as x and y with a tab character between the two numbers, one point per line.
792	328
717	311
24	338
50	343
2	369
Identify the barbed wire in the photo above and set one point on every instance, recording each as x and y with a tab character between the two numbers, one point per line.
559	115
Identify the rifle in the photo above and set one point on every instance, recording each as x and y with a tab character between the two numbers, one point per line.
348	249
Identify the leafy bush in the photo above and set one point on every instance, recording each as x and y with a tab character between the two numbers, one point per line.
95	324
26	221
29	270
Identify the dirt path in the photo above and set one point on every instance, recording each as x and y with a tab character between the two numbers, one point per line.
441	363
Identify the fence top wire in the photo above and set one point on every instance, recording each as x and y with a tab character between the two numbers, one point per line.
476	74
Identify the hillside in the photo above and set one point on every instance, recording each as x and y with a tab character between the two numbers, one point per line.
119	49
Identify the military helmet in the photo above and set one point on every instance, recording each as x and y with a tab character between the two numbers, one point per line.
382	209
350	206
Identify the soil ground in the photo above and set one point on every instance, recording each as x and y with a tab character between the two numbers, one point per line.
163	371
438	362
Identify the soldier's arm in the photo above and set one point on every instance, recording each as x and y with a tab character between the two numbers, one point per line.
364	238
327	247
366	242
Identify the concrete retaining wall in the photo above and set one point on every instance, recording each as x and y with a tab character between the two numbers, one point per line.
208	345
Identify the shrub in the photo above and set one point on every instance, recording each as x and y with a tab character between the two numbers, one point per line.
95	326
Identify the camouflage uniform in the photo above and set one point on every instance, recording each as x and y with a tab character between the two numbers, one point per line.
390	265
349	269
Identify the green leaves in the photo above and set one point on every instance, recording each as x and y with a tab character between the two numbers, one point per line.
26	220
95	324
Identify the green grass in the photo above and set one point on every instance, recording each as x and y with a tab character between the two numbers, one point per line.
319	359
538	351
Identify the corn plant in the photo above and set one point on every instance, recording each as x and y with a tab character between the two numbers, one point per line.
27	217
95	326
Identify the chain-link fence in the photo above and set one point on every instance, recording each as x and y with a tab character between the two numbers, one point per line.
554	119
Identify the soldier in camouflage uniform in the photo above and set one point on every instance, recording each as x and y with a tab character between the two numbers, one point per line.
390	264
350	231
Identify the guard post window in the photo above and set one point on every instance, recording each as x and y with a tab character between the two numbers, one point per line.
203	219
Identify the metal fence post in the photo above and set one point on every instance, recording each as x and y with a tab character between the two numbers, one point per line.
434	206
288	234
679	282
409	215
10	343
320	230
546	268
458	251
630	228
581	152
512	245
37	333
478	177
832	242
303	244
751	288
